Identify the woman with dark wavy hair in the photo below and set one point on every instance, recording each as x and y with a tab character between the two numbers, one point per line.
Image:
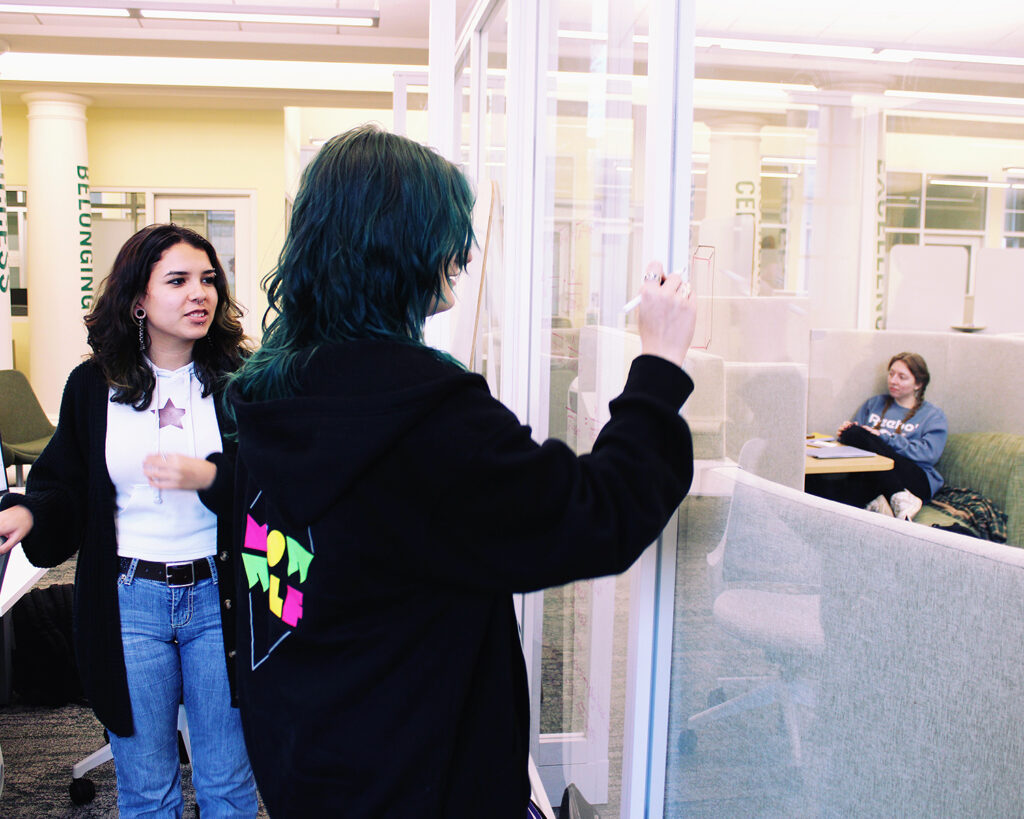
137	481
392	506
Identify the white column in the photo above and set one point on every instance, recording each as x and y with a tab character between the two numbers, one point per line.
60	248
733	215
845	269
6	339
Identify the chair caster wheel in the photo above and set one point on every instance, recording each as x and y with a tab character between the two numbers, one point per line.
687	742
82	791
716	696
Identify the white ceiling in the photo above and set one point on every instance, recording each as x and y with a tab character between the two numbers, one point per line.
987	27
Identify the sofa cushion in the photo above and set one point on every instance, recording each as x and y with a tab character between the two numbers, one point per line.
991	463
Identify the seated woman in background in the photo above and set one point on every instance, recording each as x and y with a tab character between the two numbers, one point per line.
900	425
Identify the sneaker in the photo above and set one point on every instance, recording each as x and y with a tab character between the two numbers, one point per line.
881	506
906	504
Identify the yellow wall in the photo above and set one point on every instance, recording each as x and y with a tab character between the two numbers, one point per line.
179	150
132	148
15	124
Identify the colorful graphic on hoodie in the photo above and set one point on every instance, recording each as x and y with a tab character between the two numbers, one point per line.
276	566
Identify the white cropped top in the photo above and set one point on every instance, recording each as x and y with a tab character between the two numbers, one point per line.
162	525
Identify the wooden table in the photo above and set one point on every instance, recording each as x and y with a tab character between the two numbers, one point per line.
834	466
826	466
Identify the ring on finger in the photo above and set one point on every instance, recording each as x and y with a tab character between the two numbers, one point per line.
651	276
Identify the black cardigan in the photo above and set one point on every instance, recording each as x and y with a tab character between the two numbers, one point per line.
73	502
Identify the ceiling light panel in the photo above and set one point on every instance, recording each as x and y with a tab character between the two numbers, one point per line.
76	11
363	19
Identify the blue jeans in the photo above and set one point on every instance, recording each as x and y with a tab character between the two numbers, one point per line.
174	649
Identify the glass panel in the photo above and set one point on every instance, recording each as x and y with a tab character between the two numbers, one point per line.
885	153
595	113
16	233
1015	207
892	239
903	200
775	182
955	207
774	193
1015	221
566	656
490	219
116	216
219	227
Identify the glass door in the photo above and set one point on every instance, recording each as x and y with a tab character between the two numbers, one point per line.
555	137
592	195
227	222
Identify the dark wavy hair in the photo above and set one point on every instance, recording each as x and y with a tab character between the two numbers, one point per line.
113	332
379	221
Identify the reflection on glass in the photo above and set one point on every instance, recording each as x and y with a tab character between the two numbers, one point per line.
116	216
566	659
490	216
814	713
955	207
1014	220
219	227
593	217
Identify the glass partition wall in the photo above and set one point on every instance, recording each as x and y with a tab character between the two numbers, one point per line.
816	176
847	176
555	137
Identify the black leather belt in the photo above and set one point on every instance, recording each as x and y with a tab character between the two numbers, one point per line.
176	575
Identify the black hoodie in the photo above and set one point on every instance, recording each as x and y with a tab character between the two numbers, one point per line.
392	508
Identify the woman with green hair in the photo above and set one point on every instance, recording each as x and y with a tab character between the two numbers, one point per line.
392	507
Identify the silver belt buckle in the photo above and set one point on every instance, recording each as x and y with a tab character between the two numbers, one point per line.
176	574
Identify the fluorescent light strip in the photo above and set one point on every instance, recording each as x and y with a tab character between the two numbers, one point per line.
924	96
199	72
767	175
83	11
247	17
889	55
595	36
786	160
968	183
569	34
902	56
775	47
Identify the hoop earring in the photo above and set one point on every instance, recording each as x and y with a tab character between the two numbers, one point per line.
140	319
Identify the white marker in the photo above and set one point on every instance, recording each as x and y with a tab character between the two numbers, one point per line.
633	303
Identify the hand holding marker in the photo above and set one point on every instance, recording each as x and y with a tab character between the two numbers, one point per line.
651	275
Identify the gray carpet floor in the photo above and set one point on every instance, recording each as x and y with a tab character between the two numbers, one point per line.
737	769
40	744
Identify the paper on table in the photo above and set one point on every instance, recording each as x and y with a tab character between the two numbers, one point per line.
838	452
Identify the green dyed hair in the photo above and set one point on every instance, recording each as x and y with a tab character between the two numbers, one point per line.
378	224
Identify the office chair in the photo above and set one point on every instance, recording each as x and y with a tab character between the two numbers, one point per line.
780	617
82	789
24	427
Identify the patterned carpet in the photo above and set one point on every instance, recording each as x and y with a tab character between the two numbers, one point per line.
41	744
